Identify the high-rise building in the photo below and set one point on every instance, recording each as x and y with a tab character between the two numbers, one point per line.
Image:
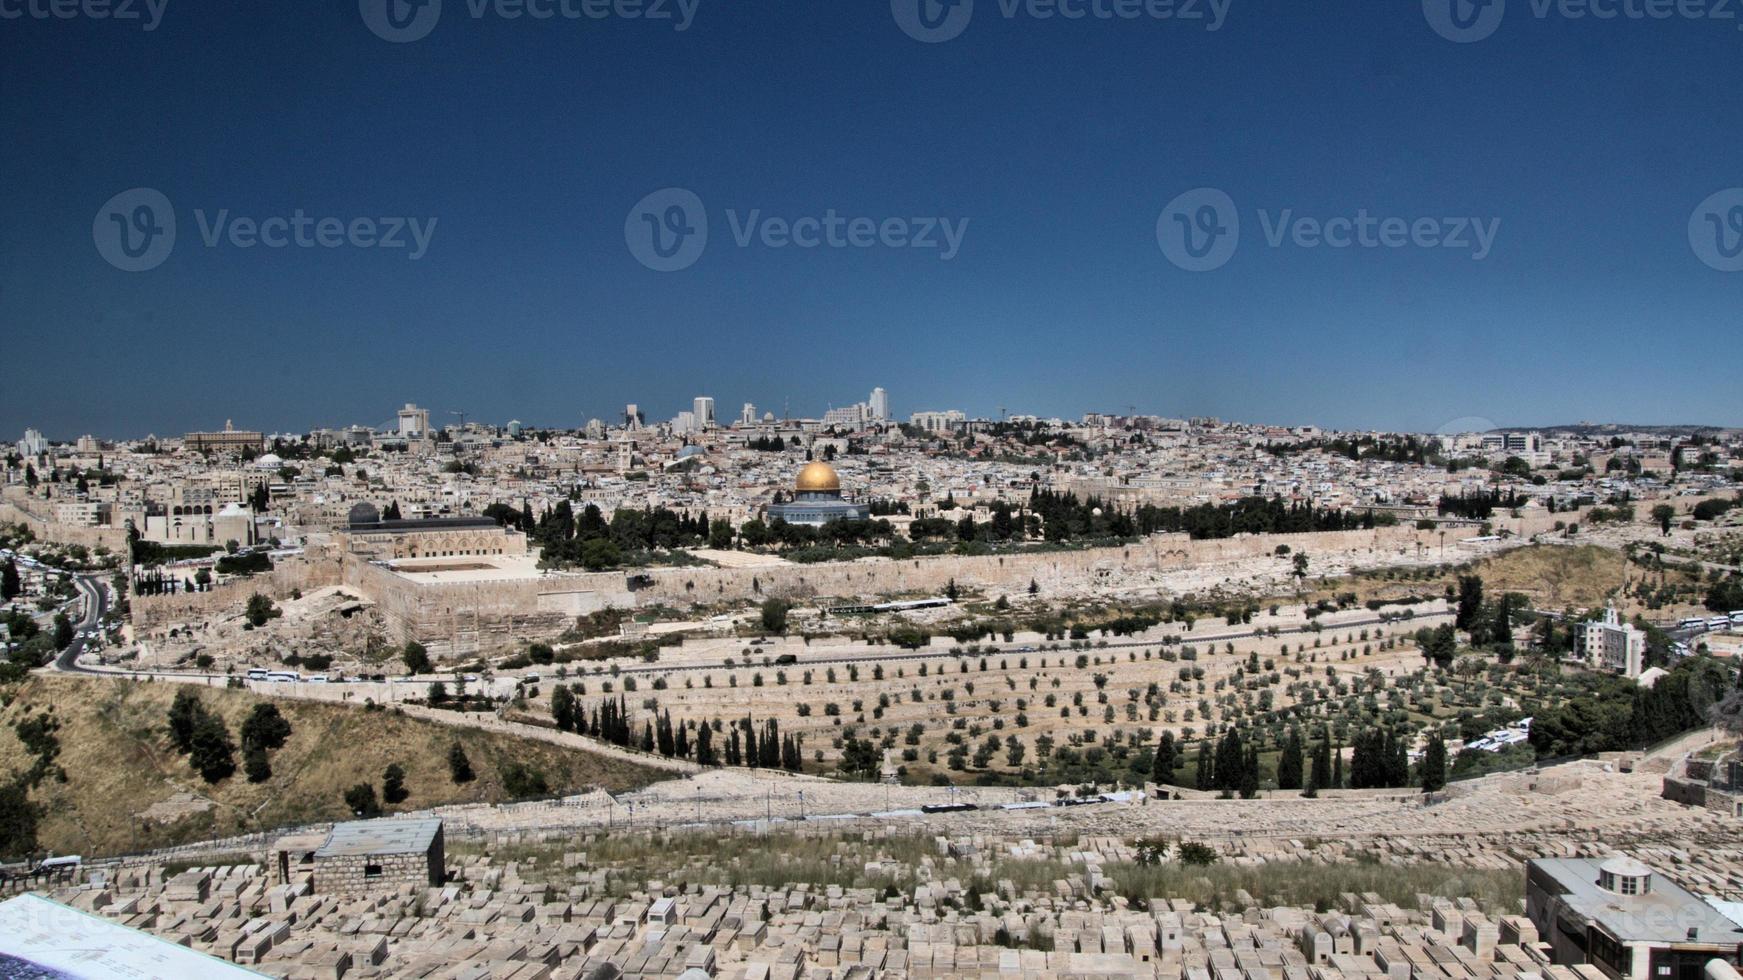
33	444
880	405
414	422
747	415
703	409
632	417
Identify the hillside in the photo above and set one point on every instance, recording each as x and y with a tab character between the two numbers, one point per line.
1556	576
127	789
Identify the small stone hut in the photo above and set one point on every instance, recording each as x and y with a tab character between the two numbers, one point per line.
365	855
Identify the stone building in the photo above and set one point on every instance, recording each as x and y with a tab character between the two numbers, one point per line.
364	855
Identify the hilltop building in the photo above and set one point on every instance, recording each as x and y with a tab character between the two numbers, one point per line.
817	499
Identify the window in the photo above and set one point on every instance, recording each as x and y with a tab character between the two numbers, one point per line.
372	871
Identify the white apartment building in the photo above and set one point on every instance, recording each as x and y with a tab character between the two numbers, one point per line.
1612	645
33	444
880	405
703	410
938	421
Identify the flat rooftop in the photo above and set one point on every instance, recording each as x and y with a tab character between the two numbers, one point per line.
361	838
1663	916
468	568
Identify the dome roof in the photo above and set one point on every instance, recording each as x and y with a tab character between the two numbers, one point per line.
818	476
1623	866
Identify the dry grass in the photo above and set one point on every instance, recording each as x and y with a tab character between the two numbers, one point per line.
119	763
1556	576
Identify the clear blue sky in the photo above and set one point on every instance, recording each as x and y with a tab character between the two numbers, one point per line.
1060	141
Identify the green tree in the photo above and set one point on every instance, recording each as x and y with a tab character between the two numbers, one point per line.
211	752
774	615
18	820
260	609
10	586
393	784
563	708
265	728
1289	765
1167	760
255	764
417	659
1470	601
360	800
459	767
1434	765
63	631
184	715
1663	515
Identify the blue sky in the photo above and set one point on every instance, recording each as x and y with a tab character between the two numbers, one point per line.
1060	142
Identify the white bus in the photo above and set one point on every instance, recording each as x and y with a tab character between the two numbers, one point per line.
257	673
290	676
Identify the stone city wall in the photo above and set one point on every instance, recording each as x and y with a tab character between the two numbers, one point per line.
286	579
46	529
463	618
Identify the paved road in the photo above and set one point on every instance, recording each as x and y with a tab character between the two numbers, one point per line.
96	604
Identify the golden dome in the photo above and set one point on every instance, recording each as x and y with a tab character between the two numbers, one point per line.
818	477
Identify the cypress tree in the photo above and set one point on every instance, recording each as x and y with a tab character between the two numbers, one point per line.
1289	764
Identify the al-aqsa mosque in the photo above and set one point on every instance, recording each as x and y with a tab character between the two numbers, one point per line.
817	499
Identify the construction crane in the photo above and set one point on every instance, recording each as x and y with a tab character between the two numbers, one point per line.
462	414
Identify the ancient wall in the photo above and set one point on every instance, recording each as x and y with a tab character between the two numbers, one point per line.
287	578
1131	565
460	618
463	618
113	538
